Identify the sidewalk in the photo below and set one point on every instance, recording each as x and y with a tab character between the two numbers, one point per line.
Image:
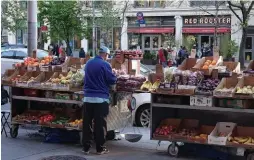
26	148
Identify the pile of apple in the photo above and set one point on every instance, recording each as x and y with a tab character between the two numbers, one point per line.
16	78
165	130
46	118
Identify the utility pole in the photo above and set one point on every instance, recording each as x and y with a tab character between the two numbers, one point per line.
32	26
94	39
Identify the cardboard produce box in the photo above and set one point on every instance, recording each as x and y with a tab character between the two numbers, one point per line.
234	68
220	133
8	75
168	122
188	64
242	137
27	77
202	134
250	69
251	65
199	65
243	82
154	76
186	124
159	69
226	83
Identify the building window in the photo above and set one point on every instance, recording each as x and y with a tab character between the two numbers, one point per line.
206	3
23	4
149	3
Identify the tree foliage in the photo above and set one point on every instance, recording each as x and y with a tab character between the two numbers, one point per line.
13	15
245	8
110	17
65	19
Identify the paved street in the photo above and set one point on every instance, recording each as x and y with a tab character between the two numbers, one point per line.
32	148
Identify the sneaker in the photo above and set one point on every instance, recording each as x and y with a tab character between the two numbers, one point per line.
86	152
104	151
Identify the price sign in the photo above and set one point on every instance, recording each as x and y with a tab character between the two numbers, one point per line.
240	151
44	69
201	101
31	68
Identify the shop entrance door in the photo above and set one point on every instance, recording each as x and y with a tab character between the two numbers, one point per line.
249	48
151	43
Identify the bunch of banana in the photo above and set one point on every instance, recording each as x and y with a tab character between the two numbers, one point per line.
147	85
155	85
242	140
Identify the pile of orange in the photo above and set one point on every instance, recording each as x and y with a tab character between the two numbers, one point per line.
31	62
209	63
46	60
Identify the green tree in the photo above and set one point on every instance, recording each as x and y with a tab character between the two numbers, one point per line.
245	8
14	16
65	19
111	16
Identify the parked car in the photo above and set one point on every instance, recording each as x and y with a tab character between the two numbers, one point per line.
141	102
13	56
6	46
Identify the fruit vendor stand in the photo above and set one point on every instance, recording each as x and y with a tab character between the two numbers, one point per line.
192	105
49	95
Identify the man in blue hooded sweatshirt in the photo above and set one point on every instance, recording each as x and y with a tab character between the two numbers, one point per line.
98	79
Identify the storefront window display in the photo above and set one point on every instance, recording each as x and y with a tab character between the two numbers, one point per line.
134	41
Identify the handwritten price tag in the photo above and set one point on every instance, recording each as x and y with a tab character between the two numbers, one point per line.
201	101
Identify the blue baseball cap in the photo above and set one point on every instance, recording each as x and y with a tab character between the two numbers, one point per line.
104	50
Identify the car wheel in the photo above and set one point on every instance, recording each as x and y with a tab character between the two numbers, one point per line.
143	116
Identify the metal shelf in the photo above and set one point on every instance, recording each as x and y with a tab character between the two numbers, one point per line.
46	100
203	108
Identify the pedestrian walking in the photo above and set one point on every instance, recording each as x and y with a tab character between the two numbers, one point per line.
99	77
82	53
162	57
56	50
182	55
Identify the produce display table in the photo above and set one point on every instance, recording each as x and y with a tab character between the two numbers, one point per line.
175	119
71	110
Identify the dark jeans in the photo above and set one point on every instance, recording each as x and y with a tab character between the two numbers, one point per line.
97	113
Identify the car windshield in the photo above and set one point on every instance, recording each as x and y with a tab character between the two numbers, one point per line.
41	54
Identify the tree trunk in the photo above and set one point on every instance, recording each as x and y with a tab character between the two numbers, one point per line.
242	46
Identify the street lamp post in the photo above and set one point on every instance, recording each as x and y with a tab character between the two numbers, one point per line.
32	26
94	40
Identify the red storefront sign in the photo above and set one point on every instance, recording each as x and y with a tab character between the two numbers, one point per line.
150	30
206	30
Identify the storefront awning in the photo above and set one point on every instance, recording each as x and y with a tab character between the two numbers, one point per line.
150	30
206	30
